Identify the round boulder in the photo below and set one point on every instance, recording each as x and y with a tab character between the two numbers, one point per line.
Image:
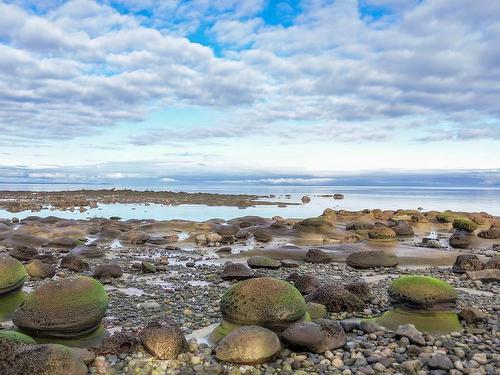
12	274
66	308
460	240
316	337
491	234
259	261
422	292
306	283
318	256
248	345
163	339
467	262
371	259
39	270
263	301
237	271
381	233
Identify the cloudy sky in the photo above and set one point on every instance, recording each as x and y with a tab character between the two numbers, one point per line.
163	89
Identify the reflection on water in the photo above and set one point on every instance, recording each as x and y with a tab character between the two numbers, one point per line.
9	303
92	339
434	322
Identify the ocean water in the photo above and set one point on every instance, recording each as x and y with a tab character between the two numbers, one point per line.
468	199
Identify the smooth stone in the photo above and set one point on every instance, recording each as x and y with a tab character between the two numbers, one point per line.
371	259
248	345
163	339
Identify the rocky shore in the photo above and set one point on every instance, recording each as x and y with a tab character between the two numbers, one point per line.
368	292
17	201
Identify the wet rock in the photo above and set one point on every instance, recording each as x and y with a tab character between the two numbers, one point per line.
63	242
163	339
290	263
316	310
492	234
227	230
24	253
237	271
305	199
248	345
467	262
409	331
262	235
38	270
119	343
12	274
259	261
493	263
336	298
371	259
66	307
314	225
47	359
486	275
318	256
316	337
74	263
148	267
88	251
472	315
440	361
460	240
402	228
263	301
381	233
360	289
305	283
360	224
108	270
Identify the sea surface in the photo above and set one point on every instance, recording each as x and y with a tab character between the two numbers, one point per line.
468	199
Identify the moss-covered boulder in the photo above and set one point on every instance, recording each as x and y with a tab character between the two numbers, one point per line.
381	233
422	292
16	337
263	301
464	224
259	261
446	217
12	274
63	308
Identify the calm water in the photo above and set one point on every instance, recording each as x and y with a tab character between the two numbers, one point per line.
356	198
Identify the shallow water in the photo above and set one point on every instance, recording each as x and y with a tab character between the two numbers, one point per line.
356	198
435	322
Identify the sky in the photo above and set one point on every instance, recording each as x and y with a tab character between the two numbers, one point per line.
256	90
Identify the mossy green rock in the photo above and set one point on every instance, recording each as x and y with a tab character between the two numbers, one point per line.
12	274
446	217
381	233
464	224
63	308
433	322
422	292
16	337
315	225
263	301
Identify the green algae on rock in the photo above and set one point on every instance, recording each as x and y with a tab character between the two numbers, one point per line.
17	337
263	301
434	322
422	292
12	274
464	224
381	233
89	340
63	308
